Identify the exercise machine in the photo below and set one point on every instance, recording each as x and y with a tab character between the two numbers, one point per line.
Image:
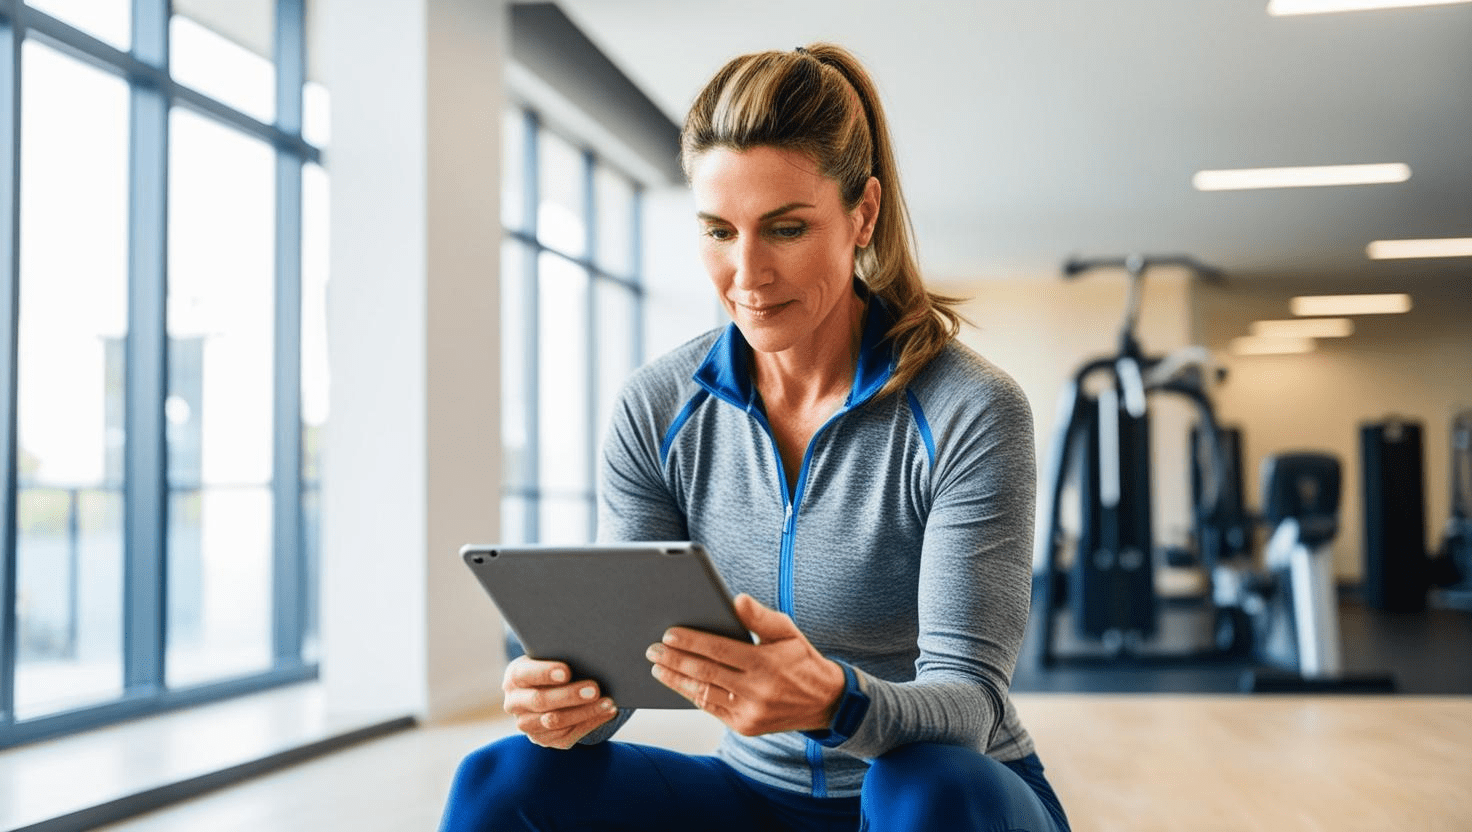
1285	617
1102	442
1452	567
1295	606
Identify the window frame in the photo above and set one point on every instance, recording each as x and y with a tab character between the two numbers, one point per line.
530	492
153	93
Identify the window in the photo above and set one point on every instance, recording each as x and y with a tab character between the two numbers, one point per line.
164	297
571	304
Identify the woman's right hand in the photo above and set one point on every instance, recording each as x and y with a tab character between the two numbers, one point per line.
549	709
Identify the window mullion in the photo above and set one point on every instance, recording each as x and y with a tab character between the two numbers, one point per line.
288	553
146	495
10	39
590	245
636	272
531	305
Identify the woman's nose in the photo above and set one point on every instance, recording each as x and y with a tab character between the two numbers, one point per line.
751	265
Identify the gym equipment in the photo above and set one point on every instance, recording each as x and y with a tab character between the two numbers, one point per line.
1104	439
1287	616
1298	623
1452	569
1396	569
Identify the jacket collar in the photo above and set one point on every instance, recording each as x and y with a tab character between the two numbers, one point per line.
726	370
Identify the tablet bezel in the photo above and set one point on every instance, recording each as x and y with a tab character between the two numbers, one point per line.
598	607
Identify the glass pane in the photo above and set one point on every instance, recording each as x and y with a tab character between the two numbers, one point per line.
70	602
316	114
224	51
567	520
315	370
614	201
614	306
109	20
312	541
513	169
219	411
73	233
515	368
513	520
563	376
219	583
560	212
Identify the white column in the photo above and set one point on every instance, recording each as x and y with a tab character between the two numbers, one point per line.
411	461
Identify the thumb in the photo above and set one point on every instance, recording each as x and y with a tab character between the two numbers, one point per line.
768	624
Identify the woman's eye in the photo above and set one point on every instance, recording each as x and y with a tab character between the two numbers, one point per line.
718	233
789	231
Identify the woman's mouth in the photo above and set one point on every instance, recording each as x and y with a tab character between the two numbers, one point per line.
763	311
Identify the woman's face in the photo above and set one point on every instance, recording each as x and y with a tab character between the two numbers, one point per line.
779	245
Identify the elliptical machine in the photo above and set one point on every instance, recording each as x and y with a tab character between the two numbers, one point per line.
1104	438
1294	607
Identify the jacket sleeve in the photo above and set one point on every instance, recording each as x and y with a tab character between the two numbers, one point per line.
634	503
974	589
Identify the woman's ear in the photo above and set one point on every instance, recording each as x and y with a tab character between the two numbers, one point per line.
868	212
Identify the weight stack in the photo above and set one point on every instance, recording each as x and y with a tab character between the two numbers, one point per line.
1394	500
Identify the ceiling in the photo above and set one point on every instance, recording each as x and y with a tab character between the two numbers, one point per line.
1028	130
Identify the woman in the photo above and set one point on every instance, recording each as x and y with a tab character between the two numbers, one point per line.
863	480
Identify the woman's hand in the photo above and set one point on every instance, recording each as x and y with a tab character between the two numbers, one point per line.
781	684
551	711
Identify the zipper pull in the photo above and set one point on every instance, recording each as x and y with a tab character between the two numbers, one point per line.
787	518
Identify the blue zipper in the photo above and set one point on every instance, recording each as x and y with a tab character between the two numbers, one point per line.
784	562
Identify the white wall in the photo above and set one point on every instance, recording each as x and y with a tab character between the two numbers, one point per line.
411	456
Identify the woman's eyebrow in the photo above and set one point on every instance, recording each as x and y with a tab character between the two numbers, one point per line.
775	212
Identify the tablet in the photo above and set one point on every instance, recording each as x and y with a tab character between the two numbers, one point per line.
599	607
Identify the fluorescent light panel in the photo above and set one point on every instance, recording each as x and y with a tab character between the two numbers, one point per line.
1305	177
1407	249
1280	8
1333	305
1256	345
1304	328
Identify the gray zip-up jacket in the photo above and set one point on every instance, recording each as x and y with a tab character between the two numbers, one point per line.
903	552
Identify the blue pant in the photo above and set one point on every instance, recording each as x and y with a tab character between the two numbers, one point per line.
516	785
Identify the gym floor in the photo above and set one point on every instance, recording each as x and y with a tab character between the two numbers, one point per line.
1428	653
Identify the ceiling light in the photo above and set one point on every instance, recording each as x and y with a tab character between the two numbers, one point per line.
1350	304
1405	249
1306	177
1255	345
1304	328
1279	8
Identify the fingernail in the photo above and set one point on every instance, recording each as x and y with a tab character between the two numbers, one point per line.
587	693
654	652
669	637
559	675
606	705
656	670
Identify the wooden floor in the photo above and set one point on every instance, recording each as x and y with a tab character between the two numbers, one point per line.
1136	763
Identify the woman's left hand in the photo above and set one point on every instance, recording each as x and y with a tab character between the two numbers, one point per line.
781	684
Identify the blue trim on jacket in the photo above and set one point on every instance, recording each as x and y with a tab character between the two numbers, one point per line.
726	370
726	374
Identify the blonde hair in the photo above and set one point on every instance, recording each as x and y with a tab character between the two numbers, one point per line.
820	102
